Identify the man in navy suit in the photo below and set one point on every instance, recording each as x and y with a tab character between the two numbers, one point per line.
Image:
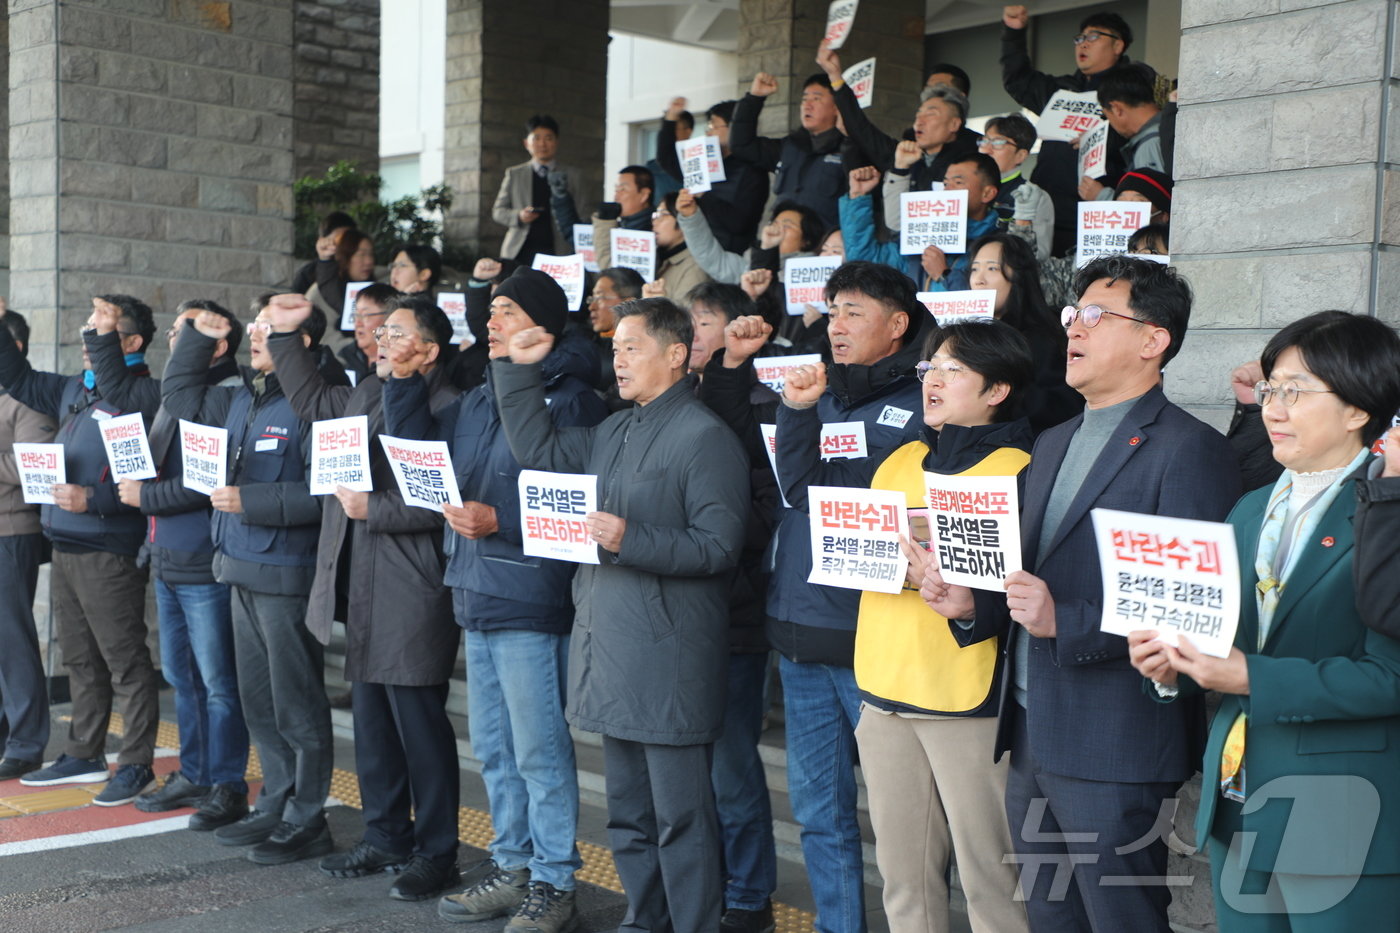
1094	758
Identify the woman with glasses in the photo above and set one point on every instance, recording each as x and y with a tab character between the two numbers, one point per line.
928	718
1300	810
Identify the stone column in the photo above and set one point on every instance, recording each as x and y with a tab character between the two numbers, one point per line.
336	84
1287	198
781	36
150	153
506	61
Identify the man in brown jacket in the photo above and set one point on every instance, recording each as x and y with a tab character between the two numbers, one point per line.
24	706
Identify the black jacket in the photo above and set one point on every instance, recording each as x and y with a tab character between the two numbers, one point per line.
733	207
810	169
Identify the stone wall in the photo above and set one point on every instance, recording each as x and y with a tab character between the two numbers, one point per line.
336	84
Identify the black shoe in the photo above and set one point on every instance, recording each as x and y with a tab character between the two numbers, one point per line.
177	791
253	828
362	860
11	768
747	921
424	878
292	843
223	806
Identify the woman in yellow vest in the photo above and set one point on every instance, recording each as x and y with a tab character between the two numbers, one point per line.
928	714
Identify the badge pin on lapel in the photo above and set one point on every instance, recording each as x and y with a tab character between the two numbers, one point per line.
1329	541
1134	441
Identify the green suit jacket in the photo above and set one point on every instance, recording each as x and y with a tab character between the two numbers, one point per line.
1324	713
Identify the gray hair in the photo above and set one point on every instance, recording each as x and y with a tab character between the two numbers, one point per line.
948	94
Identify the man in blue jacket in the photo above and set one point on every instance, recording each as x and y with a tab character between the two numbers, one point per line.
98	592
265	528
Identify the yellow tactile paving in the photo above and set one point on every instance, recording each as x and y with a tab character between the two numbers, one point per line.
47	801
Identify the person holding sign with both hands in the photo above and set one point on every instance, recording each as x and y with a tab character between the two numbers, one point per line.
1310	715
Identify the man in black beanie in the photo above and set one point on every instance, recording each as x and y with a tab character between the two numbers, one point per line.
517	612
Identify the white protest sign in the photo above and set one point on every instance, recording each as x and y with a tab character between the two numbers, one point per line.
932	218
1106	226
583	246
1068	114
1093	152
839	17
340	455
978	304
454	305
41	467
804	282
347	313
772	370
855	538
1178	576
203	456
128	451
861	78
636	250
693	154
840	440
423	470
975	528
568	272
552	510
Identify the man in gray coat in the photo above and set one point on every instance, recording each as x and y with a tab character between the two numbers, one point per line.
649	650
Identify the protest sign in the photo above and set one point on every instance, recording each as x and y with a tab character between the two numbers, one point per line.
41	468
203	456
128	451
804	282
583	246
1178	576
978	304
839	17
552	510
772	370
568	272
634	249
933	218
975	528
840	440
340	455
347	312
714	159
454	305
1068	114
1106	226
855	538
702	166
861	78
423	470
1093	152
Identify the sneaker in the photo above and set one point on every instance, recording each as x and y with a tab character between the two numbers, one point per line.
177	791
496	895
546	910
125	785
292	843
250	830
223	806
424	878
11	768
362	860
68	770
736	920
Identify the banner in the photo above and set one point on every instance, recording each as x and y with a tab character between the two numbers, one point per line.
855	538
41	467
340	455
454	305
128	451
203	456
772	370
552	510
1068	114
568	272
978	304
423	470
839	17
1178	576
347	313
634	249
974	528
933	218
861	78
1106	226
583	246
1093	152
804	282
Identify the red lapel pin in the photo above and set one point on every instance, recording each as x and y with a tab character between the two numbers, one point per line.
1328	541
1134	441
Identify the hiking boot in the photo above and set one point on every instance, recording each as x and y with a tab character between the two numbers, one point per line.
177	791
496	895
546	910
223	806
68	770
362	860
125	785
425	878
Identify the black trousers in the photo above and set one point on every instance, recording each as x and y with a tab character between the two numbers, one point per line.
24	704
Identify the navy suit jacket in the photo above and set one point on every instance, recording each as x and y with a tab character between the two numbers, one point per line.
1088	716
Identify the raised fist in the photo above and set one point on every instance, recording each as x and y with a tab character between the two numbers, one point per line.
1015	17
763	84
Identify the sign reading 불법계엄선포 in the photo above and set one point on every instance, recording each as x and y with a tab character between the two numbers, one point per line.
423	470
128	450
974	528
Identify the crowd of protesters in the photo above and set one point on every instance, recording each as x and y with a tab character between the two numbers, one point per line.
1003	729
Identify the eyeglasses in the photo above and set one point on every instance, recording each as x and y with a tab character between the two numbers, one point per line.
657	215
389	335
996	142
602	299
402	265
1264	392
714	126
1090	35
369	315
1091	315
258	327
947	372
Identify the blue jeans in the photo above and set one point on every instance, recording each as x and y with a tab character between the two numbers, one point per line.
515	697
821	706
196	656
741	789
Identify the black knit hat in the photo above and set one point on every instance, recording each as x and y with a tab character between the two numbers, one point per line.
540	297
1149	183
